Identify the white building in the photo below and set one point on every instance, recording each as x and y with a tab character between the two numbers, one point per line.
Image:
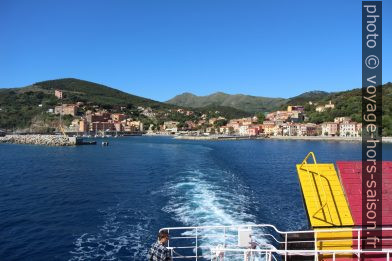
244	130
290	129
348	129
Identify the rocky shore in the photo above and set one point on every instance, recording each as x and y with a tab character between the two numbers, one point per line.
37	139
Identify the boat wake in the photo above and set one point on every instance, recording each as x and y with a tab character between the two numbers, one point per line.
209	197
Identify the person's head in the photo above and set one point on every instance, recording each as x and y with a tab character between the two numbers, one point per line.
163	236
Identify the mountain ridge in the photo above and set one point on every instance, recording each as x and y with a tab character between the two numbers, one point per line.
248	103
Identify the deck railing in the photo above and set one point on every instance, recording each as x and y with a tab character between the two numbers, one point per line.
265	242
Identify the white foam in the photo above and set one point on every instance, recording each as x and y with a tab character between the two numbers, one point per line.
208	197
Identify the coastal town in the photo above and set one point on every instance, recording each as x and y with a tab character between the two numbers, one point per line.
290	122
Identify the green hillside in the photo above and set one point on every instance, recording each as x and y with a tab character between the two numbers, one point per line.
85	91
227	112
22	108
306	97
347	103
247	103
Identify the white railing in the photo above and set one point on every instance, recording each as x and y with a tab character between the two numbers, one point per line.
265	242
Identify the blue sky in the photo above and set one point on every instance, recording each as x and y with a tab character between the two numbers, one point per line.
158	49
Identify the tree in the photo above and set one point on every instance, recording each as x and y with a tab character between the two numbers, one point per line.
220	123
260	117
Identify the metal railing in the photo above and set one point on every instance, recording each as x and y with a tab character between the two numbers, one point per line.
267	242
314	186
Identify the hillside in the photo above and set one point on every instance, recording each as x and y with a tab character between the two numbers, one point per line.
228	112
85	91
312	96
250	104
347	103
26	107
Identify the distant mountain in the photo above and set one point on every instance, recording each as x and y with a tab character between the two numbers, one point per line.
242	102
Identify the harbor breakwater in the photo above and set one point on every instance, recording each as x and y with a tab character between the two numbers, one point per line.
38	139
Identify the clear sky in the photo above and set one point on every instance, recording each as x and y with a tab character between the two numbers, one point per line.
158	49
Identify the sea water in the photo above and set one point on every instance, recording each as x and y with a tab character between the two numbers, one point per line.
108	203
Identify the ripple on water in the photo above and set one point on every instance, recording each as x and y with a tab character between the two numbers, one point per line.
121	237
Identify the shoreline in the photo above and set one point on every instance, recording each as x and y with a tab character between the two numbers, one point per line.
59	140
304	138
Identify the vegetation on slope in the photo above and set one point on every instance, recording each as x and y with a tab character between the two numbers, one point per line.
247	103
347	103
24	108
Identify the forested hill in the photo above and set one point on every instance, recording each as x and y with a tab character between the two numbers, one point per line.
21	107
85	91
248	103
347	103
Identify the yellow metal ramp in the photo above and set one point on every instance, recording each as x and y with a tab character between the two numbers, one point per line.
323	194
326	205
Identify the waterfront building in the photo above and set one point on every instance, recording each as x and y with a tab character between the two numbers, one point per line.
170	126
268	127
244	130
348	129
290	129
118	126
278	130
83	125
253	130
102	126
329	129
224	130
308	129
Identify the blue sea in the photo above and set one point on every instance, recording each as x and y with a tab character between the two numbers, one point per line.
108	203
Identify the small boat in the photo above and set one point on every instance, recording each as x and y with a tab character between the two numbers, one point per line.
105	143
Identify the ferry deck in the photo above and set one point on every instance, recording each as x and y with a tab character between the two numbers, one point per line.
332	196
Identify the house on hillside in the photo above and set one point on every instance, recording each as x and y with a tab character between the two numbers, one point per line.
58	94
